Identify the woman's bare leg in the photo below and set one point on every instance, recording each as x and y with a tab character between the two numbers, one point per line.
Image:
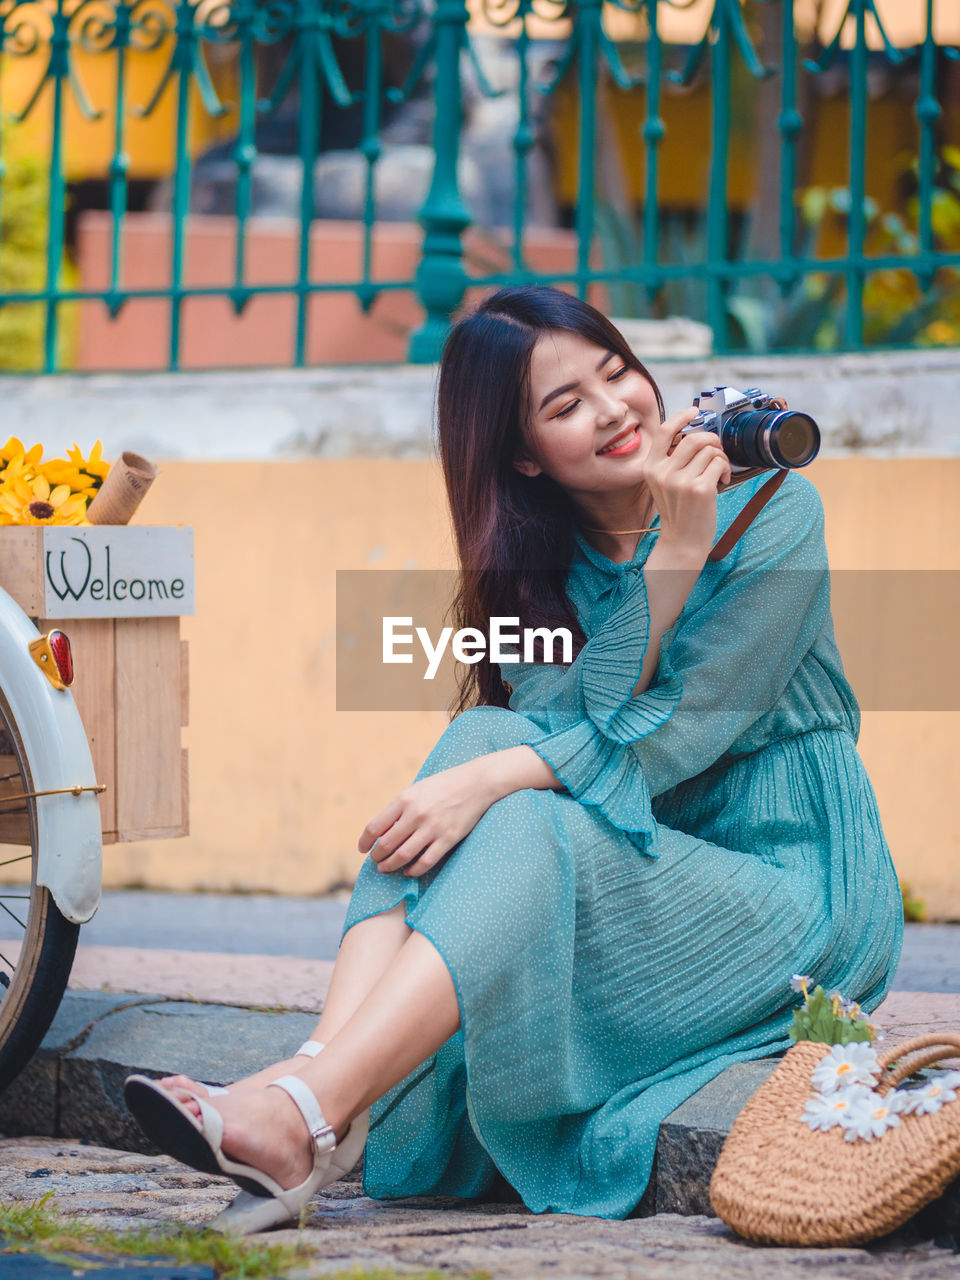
407	1015
367	951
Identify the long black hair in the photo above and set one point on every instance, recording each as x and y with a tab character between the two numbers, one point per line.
514	533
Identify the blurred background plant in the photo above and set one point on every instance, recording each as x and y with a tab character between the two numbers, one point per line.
914	908
898	310
24	223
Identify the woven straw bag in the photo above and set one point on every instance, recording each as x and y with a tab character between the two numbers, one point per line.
780	1182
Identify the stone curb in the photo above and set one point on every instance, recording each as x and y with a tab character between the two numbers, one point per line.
73	1087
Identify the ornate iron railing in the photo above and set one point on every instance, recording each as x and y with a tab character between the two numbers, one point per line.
307	38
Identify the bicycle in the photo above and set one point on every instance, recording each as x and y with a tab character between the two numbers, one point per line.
48	807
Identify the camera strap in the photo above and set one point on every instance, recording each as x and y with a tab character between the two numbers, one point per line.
738	527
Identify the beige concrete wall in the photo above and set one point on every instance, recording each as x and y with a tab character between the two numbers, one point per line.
282	784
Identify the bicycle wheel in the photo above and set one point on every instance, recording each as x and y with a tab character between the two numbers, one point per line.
37	943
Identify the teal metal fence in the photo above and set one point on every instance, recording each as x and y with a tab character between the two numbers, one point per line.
916	244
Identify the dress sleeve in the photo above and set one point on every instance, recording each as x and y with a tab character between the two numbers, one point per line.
725	662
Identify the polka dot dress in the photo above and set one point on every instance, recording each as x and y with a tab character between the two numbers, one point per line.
616	945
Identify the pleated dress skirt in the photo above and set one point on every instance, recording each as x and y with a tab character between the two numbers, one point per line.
599	988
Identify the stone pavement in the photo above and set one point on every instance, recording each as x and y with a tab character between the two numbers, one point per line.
346	1230
217	1015
198	1019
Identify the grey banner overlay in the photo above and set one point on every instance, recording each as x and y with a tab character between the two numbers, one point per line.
896	629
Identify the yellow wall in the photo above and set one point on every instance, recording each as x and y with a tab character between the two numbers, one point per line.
684	167
282	784
89	142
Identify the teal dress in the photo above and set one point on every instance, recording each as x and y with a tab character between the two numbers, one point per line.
616	945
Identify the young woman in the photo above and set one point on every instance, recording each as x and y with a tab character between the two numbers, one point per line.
593	896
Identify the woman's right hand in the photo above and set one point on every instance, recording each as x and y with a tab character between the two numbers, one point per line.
683	479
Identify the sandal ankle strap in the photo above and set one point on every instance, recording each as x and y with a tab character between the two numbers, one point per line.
324	1138
309	1049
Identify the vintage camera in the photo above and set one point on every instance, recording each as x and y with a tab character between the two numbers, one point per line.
754	430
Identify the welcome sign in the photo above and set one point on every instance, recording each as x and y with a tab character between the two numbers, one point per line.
115	571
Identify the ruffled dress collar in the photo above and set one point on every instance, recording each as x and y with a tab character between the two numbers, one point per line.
598	585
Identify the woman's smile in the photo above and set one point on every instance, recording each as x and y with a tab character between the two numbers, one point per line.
624	442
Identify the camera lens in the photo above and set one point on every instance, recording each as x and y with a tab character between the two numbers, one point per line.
770	438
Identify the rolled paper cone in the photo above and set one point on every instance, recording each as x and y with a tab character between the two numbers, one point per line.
122	491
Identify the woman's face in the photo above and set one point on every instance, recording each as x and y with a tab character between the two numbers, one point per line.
583	399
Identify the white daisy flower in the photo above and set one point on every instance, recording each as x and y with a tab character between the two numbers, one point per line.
800	982
825	1110
932	1096
847	1064
869	1117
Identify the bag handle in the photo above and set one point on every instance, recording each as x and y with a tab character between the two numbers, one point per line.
933	1044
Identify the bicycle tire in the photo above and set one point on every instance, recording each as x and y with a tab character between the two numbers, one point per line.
50	961
32	992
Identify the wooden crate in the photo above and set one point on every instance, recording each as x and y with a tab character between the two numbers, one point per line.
131	677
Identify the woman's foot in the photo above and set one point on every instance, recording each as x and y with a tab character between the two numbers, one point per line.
182	1087
280	1151
266	1130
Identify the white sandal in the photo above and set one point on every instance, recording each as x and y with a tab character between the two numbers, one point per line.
197	1142
249	1212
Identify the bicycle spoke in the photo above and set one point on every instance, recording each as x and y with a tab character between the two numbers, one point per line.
18	897
23	857
6	961
13	917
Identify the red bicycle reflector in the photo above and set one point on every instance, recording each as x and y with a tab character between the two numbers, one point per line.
62	656
52	655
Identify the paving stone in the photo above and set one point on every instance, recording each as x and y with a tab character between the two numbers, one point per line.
691	1137
81	1010
29	1104
281	982
74	1086
215	1043
347	1230
38	1267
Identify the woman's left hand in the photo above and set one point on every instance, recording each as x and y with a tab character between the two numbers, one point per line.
429	817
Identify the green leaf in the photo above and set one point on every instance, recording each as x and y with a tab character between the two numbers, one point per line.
752	315
813	205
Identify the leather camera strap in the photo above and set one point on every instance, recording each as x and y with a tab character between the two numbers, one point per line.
739	526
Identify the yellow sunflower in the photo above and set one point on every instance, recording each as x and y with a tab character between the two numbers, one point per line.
14	462
32	501
14	448
83	475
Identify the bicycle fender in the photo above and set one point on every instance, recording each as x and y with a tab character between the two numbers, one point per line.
70	836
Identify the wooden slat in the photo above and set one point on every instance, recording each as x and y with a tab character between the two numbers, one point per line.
149	782
93	644
185	792
21	567
14	826
184	683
